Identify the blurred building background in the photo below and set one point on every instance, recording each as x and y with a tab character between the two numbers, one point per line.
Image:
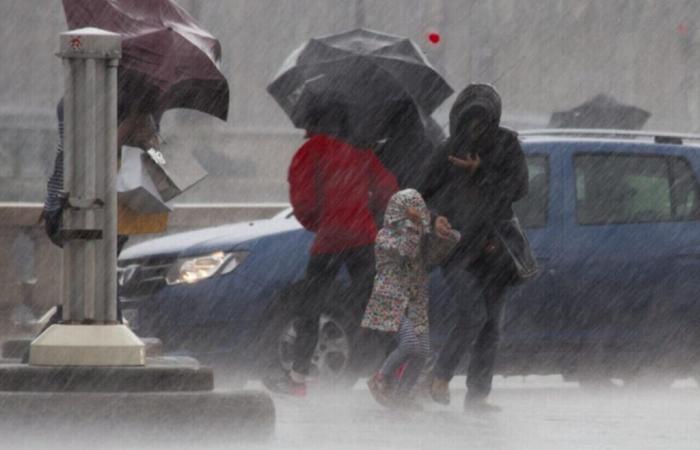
542	55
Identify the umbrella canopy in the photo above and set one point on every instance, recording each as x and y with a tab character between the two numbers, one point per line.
163	51
365	71
601	112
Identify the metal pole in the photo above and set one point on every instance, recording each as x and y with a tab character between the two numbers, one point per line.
107	310
90	163
69	296
86	167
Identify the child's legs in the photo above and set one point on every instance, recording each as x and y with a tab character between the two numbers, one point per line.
410	346
414	365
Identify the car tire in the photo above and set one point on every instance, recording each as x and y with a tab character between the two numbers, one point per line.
333	363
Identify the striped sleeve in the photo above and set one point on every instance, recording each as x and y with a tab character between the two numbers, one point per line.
55	183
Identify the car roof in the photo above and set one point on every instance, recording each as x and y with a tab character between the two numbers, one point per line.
605	137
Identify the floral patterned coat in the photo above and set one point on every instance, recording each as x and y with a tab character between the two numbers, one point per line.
404	254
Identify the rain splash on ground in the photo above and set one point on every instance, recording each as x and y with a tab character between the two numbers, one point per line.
538	413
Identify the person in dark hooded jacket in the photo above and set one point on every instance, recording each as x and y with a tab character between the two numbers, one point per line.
473	180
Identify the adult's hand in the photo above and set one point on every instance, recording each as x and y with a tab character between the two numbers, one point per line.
442	227
471	163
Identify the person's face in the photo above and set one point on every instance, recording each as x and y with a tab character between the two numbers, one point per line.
475	127
138	130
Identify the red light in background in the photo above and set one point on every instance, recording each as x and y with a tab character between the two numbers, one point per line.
434	38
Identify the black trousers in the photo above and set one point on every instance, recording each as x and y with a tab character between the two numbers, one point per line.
321	273
479	308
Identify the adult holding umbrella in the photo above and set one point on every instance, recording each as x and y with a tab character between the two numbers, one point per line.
344	90
168	61
337	190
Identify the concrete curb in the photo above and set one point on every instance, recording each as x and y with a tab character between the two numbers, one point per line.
193	416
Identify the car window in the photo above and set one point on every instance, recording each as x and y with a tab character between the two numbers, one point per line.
634	189
684	191
532	210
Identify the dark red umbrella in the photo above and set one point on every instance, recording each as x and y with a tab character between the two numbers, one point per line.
163	51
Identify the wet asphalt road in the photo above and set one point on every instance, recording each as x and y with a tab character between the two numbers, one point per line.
538	413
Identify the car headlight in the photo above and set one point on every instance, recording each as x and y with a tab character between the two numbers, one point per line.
194	270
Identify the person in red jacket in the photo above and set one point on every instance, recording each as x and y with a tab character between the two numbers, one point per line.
337	191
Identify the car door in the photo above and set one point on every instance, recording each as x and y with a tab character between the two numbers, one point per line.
540	214
619	245
671	324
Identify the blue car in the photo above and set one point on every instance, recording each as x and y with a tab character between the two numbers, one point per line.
613	219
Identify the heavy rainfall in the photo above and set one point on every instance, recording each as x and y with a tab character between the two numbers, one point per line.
350	224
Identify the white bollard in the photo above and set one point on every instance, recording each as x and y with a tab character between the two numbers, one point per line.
90	334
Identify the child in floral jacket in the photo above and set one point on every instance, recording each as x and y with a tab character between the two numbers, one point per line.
405	249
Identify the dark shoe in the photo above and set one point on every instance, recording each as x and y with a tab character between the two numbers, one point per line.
440	391
479	405
284	384
380	389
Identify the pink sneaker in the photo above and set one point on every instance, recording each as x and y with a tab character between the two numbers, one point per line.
380	390
285	385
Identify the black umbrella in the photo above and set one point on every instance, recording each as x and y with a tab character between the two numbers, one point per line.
366	72
601	112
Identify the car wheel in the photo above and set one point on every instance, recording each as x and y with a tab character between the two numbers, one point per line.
332	362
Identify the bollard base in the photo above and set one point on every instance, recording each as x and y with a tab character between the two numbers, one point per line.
87	345
17	348
163	374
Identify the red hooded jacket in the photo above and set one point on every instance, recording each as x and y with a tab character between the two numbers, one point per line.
336	191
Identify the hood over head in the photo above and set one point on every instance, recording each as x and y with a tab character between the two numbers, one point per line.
474	101
399	204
